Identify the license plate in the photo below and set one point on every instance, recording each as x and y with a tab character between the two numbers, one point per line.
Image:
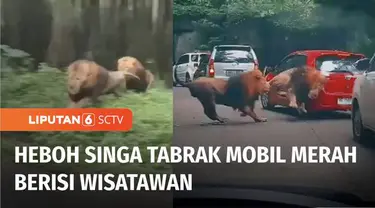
231	73
344	101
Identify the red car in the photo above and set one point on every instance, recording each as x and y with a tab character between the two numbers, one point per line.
337	93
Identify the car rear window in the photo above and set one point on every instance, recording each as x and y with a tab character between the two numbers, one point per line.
234	54
346	66
330	63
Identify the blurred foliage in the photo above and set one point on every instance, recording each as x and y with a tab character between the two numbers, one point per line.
60	32
237	11
17	59
222	22
152	121
365	6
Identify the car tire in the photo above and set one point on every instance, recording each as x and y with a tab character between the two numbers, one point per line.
360	133
264	101
195	77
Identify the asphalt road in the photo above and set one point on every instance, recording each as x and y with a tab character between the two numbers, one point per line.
192	128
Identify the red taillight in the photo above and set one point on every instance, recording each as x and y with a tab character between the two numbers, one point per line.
211	69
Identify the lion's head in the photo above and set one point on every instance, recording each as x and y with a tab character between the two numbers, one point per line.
78	75
259	82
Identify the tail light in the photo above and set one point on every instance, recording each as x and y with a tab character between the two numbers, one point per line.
211	69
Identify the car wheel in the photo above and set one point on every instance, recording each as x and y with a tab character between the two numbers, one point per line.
359	131
195	76
265	102
174	84
187	78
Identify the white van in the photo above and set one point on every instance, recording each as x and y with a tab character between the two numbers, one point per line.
186	66
230	60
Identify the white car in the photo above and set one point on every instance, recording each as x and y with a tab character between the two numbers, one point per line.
186	66
229	60
363	105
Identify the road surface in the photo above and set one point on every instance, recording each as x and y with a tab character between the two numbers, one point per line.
282	129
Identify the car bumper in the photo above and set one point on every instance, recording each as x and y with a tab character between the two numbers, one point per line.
328	102
222	77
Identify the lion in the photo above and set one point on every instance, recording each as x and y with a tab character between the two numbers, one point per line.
239	92
134	66
298	85
87	79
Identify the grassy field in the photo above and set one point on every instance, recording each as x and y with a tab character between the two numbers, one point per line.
152	124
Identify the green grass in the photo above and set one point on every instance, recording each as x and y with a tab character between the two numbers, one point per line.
152	119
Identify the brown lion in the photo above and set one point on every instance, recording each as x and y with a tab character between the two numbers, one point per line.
87	79
134	66
296	86
239	92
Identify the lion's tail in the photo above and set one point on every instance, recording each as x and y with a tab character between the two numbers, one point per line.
130	74
150	78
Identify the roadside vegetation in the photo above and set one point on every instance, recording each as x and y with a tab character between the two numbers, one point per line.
20	88
275	28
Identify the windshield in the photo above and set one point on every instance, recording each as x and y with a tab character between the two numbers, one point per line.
229	56
334	63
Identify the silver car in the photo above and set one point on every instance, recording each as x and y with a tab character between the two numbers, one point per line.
363	105
230	60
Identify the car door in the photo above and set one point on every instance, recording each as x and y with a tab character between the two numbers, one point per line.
193	63
182	66
287	63
367	96
202	66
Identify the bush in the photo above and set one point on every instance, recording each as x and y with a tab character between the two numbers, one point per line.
15	59
152	118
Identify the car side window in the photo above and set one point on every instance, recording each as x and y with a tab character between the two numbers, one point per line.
298	61
291	62
284	65
183	59
194	58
